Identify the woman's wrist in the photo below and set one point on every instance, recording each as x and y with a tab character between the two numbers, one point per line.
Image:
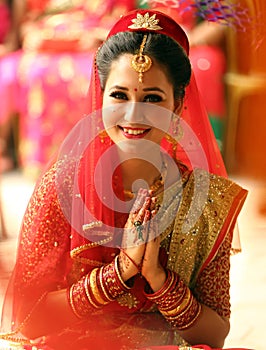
96	289
176	302
127	266
156	278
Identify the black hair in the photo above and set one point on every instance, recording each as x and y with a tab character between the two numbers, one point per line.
161	48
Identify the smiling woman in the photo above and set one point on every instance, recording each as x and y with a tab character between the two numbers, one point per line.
126	240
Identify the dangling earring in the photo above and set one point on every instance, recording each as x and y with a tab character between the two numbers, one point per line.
103	136
176	127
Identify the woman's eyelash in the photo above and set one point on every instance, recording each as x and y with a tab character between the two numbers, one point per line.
153	98
118	94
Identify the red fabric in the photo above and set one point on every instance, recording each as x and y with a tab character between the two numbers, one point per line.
169	27
50	229
4	22
196	347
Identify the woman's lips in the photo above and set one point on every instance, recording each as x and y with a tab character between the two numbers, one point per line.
135	133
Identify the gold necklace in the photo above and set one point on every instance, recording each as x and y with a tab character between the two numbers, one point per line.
157	183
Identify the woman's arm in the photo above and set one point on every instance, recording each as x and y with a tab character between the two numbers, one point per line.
212	290
51	314
207	307
63	308
42	259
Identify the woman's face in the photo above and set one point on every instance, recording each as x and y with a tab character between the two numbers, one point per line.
137	111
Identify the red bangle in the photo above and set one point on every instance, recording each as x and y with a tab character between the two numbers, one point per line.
78	300
176	302
112	281
171	279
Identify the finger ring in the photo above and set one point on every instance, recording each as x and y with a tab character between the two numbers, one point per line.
137	223
139	228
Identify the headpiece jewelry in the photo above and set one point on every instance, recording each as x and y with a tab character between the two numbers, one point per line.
145	22
141	63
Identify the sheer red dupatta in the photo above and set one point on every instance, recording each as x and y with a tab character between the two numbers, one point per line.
194	120
86	216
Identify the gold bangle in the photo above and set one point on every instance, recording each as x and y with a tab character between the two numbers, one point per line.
187	307
163	290
94	287
193	320
180	307
86	286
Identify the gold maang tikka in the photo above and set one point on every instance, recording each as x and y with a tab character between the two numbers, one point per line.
141	63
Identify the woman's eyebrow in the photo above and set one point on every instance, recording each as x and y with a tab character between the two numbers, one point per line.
153	89
118	87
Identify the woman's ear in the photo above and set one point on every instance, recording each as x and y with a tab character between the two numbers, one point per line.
178	106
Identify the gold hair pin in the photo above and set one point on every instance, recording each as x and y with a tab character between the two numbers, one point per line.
141	63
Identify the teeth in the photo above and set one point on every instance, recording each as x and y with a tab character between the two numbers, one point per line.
133	132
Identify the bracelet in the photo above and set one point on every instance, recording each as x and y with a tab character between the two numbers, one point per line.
87	288
77	299
171	294
188	318
112	280
103	288
85	295
176	302
119	275
180	306
94	287
171	279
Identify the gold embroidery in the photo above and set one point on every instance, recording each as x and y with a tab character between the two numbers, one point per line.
78	250
127	299
92	224
209	288
189	250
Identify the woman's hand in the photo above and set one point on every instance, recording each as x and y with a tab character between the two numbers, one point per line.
135	236
151	269
141	242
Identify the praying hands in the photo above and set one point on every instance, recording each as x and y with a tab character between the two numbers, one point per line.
141	242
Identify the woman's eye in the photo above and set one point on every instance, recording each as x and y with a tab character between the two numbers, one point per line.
118	95
152	98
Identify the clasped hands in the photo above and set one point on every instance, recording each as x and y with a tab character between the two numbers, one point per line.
141	242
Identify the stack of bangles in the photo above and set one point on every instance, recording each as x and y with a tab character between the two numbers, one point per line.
96	289
176	302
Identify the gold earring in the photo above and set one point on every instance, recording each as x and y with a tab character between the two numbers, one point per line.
103	136
176	127
141	63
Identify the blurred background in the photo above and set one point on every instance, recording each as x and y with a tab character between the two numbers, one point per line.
46	53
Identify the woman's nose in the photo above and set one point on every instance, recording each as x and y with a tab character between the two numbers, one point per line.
134	112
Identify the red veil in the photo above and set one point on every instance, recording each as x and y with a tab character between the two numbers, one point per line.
196	148
78	195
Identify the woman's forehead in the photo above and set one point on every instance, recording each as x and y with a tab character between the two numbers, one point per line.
121	70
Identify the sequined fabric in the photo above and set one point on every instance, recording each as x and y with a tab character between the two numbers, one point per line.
200	256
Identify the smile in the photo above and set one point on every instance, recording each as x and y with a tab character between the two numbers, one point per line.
134	132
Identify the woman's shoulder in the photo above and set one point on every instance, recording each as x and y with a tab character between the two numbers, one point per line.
202	180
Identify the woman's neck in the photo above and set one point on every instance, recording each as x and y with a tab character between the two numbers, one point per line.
139	173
